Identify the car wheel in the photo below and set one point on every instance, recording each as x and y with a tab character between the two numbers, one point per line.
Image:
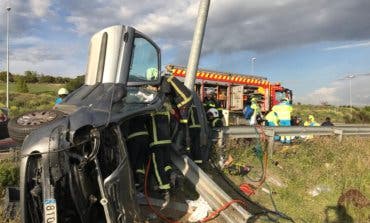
21	126
4	130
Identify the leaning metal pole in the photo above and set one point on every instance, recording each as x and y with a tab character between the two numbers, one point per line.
197	44
7	57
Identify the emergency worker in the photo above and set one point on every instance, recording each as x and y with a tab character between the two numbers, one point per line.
62	93
283	111
177	97
272	119
213	118
256	111
210	101
138	145
194	133
310	122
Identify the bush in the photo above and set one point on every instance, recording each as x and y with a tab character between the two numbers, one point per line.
21	85
75	83
9	174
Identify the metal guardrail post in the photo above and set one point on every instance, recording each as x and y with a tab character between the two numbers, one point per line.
271	141
220	140
339	132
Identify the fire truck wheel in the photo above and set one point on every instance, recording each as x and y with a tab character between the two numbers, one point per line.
21	126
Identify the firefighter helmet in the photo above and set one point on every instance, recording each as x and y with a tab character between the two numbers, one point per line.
152	74
63	91
210	91
212	113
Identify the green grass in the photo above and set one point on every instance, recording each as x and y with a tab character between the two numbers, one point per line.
38	88
322	162
338	114
41	96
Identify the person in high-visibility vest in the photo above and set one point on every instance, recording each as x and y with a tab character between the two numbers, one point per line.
272	119
283	111
256	111
62	93
310	122
179	97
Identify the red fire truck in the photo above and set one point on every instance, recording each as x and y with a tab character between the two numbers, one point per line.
233	90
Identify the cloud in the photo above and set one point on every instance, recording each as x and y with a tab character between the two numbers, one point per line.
233	25
338	92
348	46
40	7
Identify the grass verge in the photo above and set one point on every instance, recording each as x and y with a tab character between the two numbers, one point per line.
312	178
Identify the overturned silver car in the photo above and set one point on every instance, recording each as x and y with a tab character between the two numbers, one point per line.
75	165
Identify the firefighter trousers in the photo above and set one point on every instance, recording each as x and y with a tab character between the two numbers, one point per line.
195	151
138	144
160	146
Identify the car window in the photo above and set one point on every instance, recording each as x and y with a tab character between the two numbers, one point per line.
145	62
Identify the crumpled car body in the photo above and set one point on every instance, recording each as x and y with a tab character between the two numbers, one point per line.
76	168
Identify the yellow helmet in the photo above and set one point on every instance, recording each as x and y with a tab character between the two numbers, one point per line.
253	100
63	91
152	74
311	118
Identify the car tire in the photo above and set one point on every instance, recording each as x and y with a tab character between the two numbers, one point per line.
4	130
21	126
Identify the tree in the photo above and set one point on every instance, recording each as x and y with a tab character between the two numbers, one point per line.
3	76
75	83
21	85
31	76
46	79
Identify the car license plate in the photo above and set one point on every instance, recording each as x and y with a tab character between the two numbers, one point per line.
50	211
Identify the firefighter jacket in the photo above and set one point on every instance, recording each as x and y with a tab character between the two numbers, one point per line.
193	118
179	95
283	110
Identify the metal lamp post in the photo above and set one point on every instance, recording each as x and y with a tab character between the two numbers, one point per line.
350	77
253	61
7	56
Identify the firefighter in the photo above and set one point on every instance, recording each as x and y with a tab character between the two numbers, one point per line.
213	118
179	97
194	133
283	111
62	93
138	145
210	101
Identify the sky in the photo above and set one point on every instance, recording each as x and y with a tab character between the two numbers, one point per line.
310	46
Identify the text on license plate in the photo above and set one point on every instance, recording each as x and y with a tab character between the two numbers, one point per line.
50	211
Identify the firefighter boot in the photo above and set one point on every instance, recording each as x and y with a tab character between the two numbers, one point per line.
166	198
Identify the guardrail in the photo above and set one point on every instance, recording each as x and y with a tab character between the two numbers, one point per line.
235	132
209	190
